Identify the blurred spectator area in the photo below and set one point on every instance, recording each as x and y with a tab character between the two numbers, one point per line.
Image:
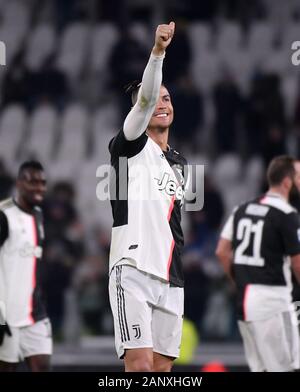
236	97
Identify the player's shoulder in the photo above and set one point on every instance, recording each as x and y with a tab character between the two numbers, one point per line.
278	204
6	204
120	146
251	206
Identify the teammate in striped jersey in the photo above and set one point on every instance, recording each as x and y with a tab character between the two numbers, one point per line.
146	278
259	244
25	332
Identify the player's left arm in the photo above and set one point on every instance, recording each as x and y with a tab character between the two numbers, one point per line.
290	226
225	255
295	263
138	118
224	250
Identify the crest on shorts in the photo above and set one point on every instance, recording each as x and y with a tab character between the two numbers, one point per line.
137	330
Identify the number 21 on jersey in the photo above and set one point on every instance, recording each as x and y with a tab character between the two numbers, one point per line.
250	234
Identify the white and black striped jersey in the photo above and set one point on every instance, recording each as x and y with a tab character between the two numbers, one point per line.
21	238
147	229
264	234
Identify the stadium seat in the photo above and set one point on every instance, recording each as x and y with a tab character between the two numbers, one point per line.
102	134
227	170
13	124
13	38
290	87
63	169
241	65
93	210
205	69
199	35
253	176
41	44
74	133
278	61
229	37
141	33
43	130
290	33
104	36
74	49
264	34
16	14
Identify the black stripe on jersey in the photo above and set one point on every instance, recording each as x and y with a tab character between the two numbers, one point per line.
121	326
38	308
120	147
121	307
119	207
176	276
3	228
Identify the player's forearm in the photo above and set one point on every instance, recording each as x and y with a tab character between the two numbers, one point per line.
137	120
296	267
225	255
151	81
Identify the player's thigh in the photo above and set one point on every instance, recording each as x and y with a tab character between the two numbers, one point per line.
278	342
167	322
10	348
36	339
252	353
130	298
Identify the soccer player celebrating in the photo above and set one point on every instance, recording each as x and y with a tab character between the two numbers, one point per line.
26	331
258	246
146	279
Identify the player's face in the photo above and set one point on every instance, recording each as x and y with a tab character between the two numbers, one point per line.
294	195
297	175
163	114
32	187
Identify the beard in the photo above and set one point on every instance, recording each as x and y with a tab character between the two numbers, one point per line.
294	197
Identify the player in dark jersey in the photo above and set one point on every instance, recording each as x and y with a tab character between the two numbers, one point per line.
259	244
25	330
146	278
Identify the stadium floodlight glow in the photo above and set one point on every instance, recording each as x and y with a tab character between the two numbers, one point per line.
2	53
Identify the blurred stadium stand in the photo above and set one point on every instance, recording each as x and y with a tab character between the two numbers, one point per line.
62	101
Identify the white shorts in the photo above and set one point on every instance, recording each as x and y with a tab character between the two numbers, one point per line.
148	312
36	339
271	345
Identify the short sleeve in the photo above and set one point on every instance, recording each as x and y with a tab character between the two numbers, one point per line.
290	229
227	232
120	146
3	228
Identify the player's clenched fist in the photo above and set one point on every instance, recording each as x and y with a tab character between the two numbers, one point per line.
163	37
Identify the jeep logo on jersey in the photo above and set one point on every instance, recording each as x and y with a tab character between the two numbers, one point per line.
170	187
31	251
136	183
